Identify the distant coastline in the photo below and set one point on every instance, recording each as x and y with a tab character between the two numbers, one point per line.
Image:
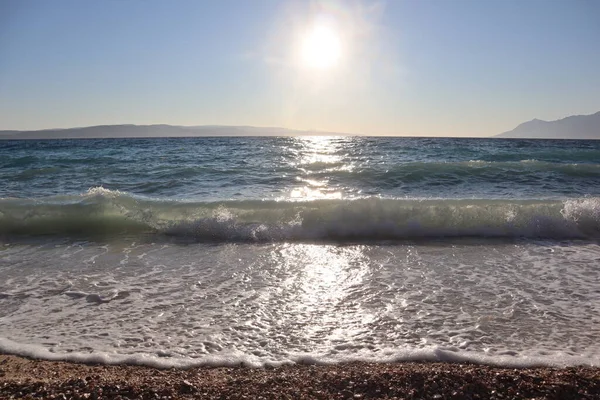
578	127
573	127
154	131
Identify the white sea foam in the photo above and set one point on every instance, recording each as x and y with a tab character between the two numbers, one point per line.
433	354
179	305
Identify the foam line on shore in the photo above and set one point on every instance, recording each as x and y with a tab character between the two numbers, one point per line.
233	358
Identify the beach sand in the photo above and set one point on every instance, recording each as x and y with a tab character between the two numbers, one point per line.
27	378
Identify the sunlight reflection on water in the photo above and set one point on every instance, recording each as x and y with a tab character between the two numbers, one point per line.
317	157
322	286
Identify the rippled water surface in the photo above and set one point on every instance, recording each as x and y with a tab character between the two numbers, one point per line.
300	168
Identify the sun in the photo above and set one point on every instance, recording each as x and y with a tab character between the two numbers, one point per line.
321	48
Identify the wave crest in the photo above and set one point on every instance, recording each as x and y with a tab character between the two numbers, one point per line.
102	212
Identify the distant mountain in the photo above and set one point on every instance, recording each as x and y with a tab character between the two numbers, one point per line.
573	127
143	131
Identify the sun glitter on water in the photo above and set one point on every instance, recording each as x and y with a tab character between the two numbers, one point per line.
321	48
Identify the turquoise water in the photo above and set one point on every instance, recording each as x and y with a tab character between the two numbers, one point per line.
216	251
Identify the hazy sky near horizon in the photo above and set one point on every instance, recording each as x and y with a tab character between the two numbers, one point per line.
401	67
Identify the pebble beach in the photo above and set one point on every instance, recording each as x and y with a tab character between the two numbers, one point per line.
22	378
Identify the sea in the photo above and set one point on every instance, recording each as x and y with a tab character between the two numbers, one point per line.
263	251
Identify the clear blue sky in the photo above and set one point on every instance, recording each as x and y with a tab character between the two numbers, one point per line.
416	67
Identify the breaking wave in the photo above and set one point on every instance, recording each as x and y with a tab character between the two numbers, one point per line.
106	213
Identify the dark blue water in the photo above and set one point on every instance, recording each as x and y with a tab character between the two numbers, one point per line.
277	168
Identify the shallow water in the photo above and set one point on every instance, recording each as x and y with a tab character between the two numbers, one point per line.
514	303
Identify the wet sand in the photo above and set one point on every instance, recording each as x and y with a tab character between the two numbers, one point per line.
26	378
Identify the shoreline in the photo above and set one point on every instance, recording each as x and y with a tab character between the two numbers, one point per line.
31	378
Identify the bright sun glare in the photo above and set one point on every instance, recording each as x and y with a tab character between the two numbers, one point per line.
321	48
